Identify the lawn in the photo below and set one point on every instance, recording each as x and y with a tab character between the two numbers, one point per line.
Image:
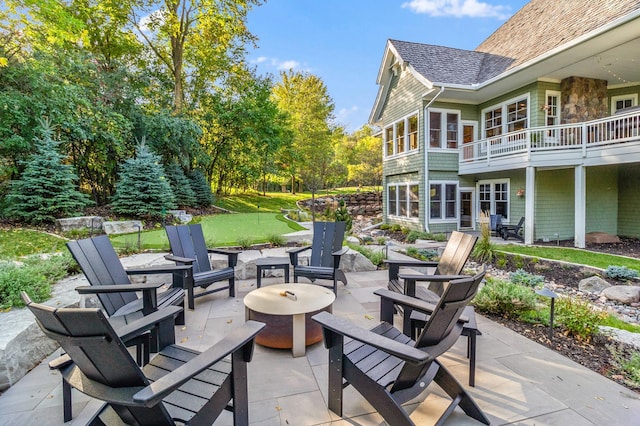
22	242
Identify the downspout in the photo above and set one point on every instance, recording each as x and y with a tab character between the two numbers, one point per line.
426	169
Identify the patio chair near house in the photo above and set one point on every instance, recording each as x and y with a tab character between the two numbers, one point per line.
179	384
326	251
188	247
495	224
387	367
514	231
448	267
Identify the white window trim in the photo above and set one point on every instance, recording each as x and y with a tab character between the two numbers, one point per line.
492	183
442	206
557	94
408	201
503	106
614	99
443	135
407	151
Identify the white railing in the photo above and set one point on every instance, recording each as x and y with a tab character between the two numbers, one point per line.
605	131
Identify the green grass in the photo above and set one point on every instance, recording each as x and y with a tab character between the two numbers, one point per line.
15	243
220	230
248	202
583	257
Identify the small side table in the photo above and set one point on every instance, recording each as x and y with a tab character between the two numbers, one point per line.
272	263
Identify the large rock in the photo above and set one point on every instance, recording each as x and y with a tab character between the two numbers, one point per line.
122	227
626	294
593	284
80	222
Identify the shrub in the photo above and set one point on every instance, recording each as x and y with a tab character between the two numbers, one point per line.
579	317
245	242
396	228
376	257
422	254
504	298
342	215
484	250
276	240
526	279
381	241
629	364
620	273
412	236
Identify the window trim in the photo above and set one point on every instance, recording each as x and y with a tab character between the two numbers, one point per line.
504	115
443	129
405	137
492	208
614	99
407	186
443	218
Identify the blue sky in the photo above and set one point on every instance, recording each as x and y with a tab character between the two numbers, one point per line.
342	41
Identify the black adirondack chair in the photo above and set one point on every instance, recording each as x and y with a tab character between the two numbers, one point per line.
326	251
448	267
513	230
110	281
178	385
188	247
387	367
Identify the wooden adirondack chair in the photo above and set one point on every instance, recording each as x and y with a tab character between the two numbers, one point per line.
188	247
163	392
326	251
110	281
512	230
448	267
387	367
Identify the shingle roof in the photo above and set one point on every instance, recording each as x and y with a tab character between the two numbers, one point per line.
542	25
448	65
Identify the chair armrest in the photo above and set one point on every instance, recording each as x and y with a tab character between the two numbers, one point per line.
434	278
232	255
178	259
158	269
405	301
340	252
60	362
394	266
117	288
148	322
234	341
293	254
346	328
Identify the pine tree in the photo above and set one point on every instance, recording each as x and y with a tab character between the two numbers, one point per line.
201	189
142	188
342	215
46	190
180	185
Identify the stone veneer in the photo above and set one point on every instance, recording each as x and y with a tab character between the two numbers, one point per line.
583	99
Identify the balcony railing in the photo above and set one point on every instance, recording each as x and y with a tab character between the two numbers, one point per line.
617	129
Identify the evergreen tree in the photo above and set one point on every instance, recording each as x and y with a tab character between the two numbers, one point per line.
342	215
142	188
46	189
201	189
180	185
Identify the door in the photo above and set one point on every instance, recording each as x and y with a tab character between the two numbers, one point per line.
466	208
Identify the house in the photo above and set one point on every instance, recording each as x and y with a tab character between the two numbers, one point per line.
536	122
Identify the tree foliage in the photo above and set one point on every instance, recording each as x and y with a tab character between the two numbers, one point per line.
142	189
180	185
46	190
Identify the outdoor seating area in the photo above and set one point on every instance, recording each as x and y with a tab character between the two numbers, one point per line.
517	380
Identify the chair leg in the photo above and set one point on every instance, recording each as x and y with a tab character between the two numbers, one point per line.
460	397
232	287
66	401
471	354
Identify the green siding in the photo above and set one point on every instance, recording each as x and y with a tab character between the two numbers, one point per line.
447	161
629	204
602	199
554	204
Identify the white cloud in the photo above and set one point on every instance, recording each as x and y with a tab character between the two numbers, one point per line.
343	115
458	8
277	64
154	18
287	65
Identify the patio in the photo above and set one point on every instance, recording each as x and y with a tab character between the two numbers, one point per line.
517	380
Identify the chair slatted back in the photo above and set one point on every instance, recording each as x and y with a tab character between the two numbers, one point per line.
327	239
442	329
95	348
188	241
100	264
454	256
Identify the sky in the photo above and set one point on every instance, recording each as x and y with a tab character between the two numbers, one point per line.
343	41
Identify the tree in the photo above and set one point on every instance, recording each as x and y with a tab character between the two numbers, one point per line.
142	189
201	188
46	189
180	185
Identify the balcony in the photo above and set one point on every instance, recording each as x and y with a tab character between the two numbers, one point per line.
610	140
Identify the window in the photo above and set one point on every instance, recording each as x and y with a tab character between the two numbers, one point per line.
403	200
401	136
444	129
552	108
623	101
511	116
443	200
493	197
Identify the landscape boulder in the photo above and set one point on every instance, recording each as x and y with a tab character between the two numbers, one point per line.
593	284
122	227
626	294
80	222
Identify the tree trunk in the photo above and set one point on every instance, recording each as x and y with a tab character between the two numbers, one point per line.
313	204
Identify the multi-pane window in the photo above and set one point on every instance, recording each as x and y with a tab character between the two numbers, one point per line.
511	116
401	136
493	197
552	108
443	200
403	200
623	101
444	129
